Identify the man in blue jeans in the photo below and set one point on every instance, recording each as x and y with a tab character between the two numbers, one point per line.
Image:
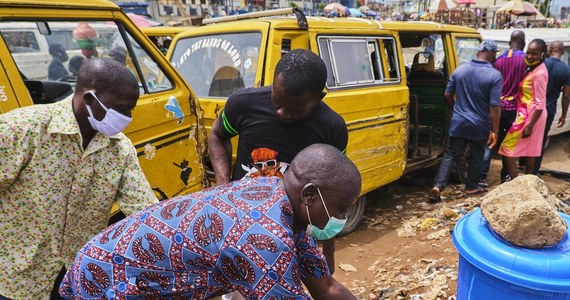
477	89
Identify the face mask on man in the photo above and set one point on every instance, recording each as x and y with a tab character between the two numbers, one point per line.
333	227
113	122
531	64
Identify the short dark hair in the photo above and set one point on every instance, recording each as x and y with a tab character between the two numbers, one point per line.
105	74
302	70
541	44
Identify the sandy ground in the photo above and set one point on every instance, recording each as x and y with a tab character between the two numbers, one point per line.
403	248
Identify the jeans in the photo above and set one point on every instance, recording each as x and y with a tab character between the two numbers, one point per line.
454	150
538	160
505	123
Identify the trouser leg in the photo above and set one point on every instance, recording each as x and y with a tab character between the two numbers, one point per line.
476	153
454	149
507	119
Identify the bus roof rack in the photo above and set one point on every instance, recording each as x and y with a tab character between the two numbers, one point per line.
301	19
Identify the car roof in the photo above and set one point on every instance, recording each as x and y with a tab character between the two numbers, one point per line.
92	4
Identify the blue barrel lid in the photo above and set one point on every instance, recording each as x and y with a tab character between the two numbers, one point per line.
544	269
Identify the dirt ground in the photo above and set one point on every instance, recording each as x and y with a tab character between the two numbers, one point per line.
403	247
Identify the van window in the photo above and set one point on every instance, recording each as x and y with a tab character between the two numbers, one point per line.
21	41
59	55
424	57
354	61
466	49
216	66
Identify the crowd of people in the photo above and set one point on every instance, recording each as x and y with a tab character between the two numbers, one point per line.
507	103
254	234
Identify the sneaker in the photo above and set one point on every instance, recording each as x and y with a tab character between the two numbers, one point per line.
483	182
507	178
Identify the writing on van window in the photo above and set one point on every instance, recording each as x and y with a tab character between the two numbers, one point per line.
222	44
3	96
218	65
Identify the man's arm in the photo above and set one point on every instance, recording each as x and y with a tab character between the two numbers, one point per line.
449	98
15	151
328	251
565	102
327	288
220	150
135	193
495	113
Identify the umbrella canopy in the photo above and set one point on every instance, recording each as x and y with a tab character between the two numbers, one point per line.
370	13
335	6
464	2
364	8
519	8
354	12
440	5
142	21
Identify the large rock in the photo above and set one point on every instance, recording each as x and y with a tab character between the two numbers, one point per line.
523	213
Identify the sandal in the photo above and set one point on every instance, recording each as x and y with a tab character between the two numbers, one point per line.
475	191
434	195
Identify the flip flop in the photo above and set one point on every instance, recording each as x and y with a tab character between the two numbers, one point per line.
434	195
477	190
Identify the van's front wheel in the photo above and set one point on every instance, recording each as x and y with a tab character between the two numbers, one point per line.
354	215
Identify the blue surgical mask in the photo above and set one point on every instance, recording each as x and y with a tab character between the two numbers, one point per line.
333	227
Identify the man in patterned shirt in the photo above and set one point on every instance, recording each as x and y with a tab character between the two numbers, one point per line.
247	235
63	165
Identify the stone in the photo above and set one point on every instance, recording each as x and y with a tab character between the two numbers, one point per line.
523	213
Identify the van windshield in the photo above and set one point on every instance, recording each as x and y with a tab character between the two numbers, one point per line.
55	50
218	65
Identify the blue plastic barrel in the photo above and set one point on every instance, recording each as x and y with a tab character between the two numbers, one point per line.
492	269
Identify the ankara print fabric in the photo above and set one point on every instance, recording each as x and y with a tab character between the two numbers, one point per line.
236	236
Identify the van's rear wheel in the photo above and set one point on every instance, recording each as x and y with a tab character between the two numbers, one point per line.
355	215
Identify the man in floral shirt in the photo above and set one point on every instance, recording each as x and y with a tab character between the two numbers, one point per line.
248	236
62	167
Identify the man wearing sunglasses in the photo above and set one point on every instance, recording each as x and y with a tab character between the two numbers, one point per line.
62	167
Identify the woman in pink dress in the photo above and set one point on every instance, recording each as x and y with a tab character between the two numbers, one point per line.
524	139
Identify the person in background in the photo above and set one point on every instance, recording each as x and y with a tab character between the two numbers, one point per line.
75	64
558	80
56	69
524	138
251	235
275	122
512	66
119	54
477	87
63	166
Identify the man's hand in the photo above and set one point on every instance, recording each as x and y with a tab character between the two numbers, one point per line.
561	121
492	140
527	131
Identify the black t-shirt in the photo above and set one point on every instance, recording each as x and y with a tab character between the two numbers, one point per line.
266	145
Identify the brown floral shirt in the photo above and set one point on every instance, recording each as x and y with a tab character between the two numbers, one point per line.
54	196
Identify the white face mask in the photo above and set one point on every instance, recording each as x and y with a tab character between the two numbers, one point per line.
113	122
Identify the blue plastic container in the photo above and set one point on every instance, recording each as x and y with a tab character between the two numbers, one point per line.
492	269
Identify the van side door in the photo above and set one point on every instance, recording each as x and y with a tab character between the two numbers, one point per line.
366	87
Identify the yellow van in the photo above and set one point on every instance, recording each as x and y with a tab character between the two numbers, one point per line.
165	129
367	64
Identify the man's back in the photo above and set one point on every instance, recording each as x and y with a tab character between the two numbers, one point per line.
513	68
234	236
476	85
558	76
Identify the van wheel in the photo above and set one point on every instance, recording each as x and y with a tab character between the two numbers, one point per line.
461	166
355	215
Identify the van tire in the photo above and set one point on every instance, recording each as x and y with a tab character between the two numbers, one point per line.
355	215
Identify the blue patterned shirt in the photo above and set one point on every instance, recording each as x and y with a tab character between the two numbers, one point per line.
236	236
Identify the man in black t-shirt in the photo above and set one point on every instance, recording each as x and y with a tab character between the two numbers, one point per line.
275	122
